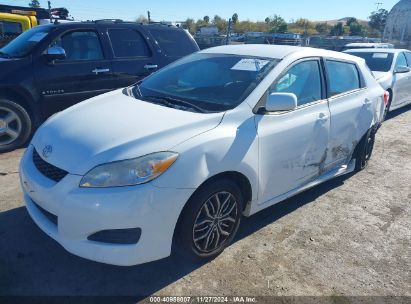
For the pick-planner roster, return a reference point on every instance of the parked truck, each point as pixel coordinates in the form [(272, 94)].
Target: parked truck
[(15, 20)]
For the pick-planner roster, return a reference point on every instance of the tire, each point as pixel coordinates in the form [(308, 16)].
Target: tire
[(15, 125), (364, 150), (194, 224)]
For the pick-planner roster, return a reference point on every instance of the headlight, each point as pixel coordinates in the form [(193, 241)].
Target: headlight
[(129, 172)]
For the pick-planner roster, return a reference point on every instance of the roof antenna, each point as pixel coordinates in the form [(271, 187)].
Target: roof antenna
[(49, 4), (378, 4)]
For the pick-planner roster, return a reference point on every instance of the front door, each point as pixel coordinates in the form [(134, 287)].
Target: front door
[(84, 73), (401, 83), (293, 145)]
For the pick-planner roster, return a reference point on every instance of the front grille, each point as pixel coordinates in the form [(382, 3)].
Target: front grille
[(48, 170), (52, 218)]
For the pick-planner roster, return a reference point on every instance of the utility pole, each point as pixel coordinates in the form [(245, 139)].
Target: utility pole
[(49, 6), (148, 16), (378, 4), (228, 31)]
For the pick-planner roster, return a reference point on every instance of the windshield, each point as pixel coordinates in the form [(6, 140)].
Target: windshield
[(24, 43), (210, 82), (377, 62)]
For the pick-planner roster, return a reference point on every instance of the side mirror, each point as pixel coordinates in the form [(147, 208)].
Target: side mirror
[(402, 69), (280, 102), (55, 53)]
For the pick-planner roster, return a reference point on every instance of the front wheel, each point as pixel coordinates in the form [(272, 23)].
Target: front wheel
[(15, 125), (210, 221)]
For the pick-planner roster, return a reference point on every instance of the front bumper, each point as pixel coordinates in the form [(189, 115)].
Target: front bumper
[(82, 212)]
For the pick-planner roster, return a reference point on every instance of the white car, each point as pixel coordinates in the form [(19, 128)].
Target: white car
[(362, 45), (175, 161), (392, 69)]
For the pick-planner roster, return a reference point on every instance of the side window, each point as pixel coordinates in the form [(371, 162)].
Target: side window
[(408, 55), (80, 45), (304, 80), (343, 77), (401, 61), (128, 43), (173, 42), (10, 28)]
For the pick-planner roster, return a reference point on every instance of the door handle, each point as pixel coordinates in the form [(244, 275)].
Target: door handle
[(151, 66), (323, 117), (367, 101), (98, 71)]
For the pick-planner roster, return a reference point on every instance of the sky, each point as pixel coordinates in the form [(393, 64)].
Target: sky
[(180, 10)]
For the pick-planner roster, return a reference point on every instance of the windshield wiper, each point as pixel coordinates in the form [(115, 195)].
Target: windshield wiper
[(173, 102)]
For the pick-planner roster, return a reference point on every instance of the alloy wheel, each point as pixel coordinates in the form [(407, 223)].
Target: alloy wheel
[(215, 222), (10, 126)]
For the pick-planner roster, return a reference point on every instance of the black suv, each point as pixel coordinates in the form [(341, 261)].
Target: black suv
[(54, 66)]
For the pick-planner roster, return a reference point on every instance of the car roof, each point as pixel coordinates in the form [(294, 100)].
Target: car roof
[(376, 50), (277, 51), (77, 24), (367, 44)]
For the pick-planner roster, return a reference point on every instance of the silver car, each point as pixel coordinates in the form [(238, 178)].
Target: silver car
[(392, 69)]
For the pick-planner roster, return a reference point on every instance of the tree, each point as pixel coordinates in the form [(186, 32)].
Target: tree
[(190, 25), (337, 30), (220, 23), (234, 18), (34, 4), (378, 20), (278, 25), (206, 19), (267, 20), (323, 28), (351, 20), (302, 26), (356, 29), (142, 19)]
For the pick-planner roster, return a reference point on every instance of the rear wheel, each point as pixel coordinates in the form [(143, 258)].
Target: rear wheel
[(364, 150), (15, 125), (210, 221)]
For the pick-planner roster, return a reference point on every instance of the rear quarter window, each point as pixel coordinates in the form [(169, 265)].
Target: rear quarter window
[(408, 55), (343, 77), (128, 43), (174, 43)]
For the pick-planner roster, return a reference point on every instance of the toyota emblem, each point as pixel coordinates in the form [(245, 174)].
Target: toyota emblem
[(47, 151)]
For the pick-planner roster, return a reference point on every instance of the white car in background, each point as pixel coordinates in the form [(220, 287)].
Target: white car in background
[(392, 69), (367, 45), (176, 160)]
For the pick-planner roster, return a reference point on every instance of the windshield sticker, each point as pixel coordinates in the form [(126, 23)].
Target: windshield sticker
[(37, 37), (380, 55), (252, 65)]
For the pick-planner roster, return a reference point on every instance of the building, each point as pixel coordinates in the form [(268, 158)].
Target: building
[(398, 26)]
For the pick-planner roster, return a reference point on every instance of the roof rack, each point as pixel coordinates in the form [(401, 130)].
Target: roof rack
[(108, 21)]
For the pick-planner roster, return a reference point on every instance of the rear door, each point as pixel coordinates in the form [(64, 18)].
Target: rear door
[(85, 72), (351, 110), (133, 56), (408, 91)]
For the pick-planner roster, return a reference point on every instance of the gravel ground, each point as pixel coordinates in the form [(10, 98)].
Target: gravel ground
[(347, 237)]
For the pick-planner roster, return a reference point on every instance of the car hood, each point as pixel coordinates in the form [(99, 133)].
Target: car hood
[(9, 67), (114, 127)]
